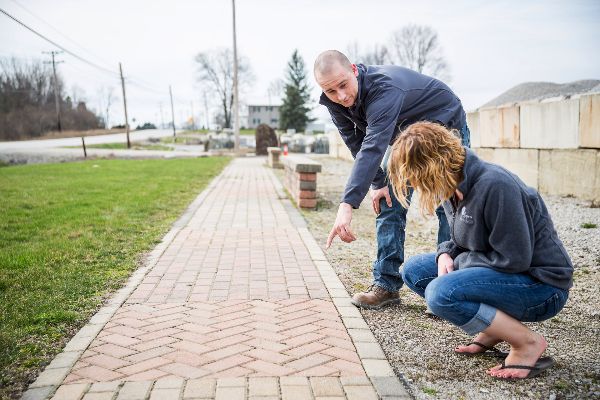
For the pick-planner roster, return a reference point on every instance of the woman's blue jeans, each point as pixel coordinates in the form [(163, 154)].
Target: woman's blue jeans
[(469, 298), (390, 225)]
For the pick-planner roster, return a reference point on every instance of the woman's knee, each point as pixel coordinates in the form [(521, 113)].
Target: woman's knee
[(439, 293), (419, 269)]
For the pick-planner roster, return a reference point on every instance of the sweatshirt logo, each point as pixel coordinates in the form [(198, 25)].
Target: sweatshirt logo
[(466, 218)]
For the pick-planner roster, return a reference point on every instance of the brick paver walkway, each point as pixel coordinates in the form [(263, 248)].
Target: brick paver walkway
[(237, 302)]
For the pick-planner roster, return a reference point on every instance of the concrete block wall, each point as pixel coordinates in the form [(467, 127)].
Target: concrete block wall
[(499, 127), (589, 121), (553, 145), (522, 162), (337, 147), (550, 125), (558, 149)]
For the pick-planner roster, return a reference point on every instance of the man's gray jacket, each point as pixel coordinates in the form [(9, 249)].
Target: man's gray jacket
[(389, 99)]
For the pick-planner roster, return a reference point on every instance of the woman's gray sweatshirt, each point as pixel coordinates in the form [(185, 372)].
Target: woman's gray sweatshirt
[(503, 224)]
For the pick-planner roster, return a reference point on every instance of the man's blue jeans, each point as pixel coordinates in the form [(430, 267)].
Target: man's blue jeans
[(390, 225), (469, 298)]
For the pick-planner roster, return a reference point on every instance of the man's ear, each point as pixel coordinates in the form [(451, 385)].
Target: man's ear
[(355, 69)]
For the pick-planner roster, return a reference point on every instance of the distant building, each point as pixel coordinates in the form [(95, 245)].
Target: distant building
[(261, 114)]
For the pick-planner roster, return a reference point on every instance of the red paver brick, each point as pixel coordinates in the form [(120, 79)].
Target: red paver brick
[(96, 373), (113, 350), (268, 356), (309, 361), (303, 339), (144, 366), (158, 334), (120, 340), (338, 342), (228, 341), (148, 354), (307, 349), (344, 354), (149, 375), (264, 368), (147, 345), (125, 330), (226, 363), (189, 358), (184, 370), (107, 362)]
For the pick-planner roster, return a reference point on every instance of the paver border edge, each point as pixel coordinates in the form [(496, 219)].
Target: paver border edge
[(53, 375)]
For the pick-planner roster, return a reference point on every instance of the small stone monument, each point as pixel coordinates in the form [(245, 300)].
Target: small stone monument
[(265, 137)]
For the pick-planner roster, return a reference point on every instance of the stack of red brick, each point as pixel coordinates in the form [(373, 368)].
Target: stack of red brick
[(301, 179)]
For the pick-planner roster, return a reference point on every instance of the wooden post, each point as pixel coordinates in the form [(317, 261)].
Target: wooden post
[(84, 150), (125, 105)]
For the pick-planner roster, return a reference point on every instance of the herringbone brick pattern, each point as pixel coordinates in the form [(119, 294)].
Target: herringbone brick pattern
[(235, 295), (292, 337), (245, 263)]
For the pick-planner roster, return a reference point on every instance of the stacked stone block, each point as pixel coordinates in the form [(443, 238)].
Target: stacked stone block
[(553, 145), (301, 180)]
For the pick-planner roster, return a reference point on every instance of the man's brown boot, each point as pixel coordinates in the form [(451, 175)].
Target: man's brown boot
[(375, 298)]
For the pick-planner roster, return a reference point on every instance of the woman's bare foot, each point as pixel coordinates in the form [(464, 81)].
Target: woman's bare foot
[(528, 354), (482, 338)]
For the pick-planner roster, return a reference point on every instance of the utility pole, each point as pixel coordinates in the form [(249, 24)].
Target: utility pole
[(236, 114), (125, 105), (172, 112), (56, 97)]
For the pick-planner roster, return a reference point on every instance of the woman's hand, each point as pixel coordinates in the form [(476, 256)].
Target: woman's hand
[(445, 264)]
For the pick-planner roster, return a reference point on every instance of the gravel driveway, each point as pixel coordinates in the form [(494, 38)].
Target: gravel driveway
[(420, 348)]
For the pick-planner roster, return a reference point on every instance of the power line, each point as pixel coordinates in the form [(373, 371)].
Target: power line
[(58, 45), (57, 31), (139, 83)]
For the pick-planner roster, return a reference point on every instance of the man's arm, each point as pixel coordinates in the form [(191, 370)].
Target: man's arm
[(383, 108)]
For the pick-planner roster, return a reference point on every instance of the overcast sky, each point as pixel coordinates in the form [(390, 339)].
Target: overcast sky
[(490, 46)]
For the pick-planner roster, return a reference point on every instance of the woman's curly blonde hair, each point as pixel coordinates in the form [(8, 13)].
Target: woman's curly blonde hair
[(429, 158)]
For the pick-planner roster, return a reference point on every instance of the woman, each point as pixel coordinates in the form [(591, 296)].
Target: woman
[(504, 263)]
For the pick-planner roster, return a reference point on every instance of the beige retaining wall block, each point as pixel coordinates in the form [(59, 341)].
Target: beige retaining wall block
[(499, 127), (550, 125), (589, 121), (522, 162), (570, 172), (473, 123)]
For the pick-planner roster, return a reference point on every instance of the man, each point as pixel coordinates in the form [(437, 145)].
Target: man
[(370, 105)]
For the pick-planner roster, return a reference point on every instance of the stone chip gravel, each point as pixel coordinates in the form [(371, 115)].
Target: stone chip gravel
[(420, 348)]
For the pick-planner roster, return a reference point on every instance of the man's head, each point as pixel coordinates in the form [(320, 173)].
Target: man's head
[(337, 77)]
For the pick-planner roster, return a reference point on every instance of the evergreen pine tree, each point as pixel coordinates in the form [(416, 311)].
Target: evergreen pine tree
[(294, 110)]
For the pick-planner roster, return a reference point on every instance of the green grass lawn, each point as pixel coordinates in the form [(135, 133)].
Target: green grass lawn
[(72, 233)]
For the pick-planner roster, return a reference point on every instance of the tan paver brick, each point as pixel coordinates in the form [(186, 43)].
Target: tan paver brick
[(70, 392)]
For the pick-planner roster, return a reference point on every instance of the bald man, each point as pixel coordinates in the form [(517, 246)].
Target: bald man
[(369, 105)]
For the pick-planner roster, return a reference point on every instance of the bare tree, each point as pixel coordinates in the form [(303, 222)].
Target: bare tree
[(276, 89), (417, 47), (376, 55), (27, 107), (106, 99), (215, 70)]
